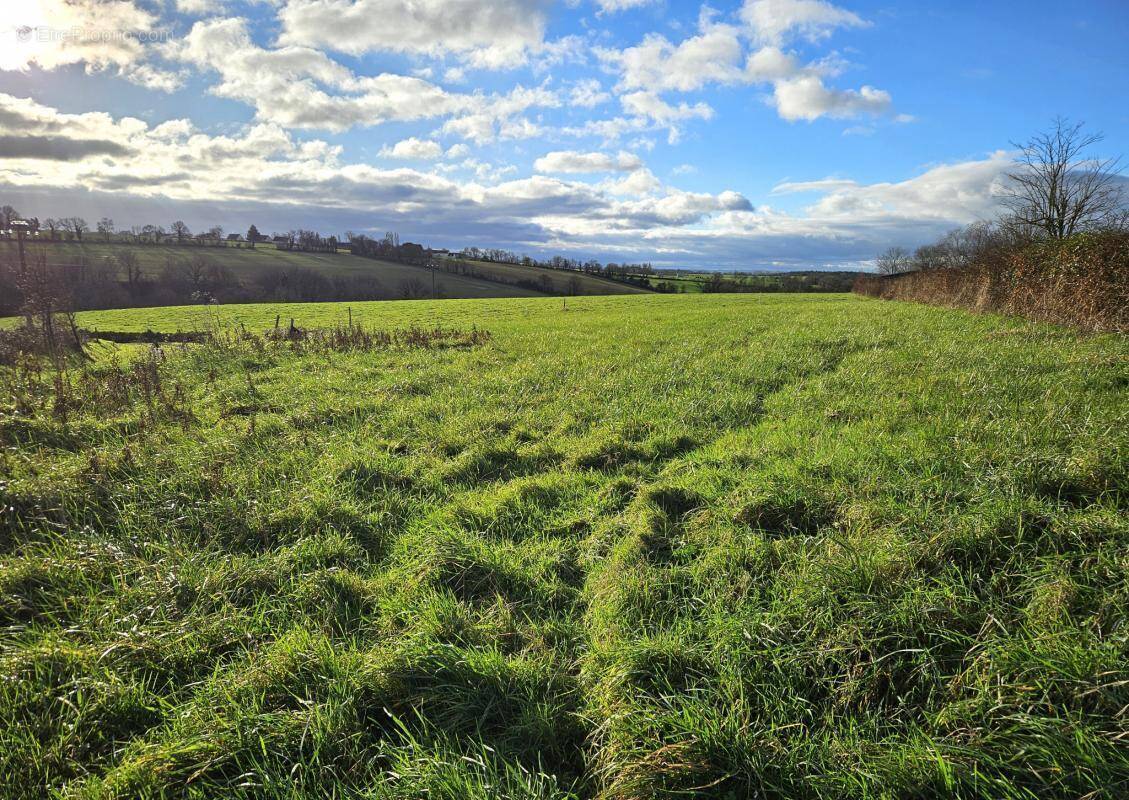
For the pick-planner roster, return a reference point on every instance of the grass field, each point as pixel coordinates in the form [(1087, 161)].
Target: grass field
[(247, 264), (796, 281), (561, 281), (775, 546)]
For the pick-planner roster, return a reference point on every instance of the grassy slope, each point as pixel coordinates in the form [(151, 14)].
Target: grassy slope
[(248, 263), (790, 546), (560, 280)]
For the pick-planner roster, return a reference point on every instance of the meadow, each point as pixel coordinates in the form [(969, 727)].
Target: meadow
[(775, 546)]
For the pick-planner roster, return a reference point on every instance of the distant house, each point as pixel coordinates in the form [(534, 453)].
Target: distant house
[(234, 237), (442, 253), (282, 242)]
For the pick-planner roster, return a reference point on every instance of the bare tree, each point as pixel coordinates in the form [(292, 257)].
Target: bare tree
[(413, 289), (127, 263), (78, 225), (53, 226), (1057, 189), (7, 214), (180, 230), (106, 227), (893, 261)]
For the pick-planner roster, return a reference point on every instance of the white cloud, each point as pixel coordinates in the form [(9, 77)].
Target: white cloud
[(200, 8), (774, 22), (643, 111), (647, 104), (100, 34), (771, 64), (717, 56), (588, 93), (639, 183), (572, 161), (658, 65), (612, 6), (492, 117), (289, 85), (805, 97), (960, 193), (491, 34), (413, 148), (153, 77)]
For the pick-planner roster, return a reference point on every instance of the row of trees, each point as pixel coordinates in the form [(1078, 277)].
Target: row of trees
[(71, 229), (389, 247), (1055, 190), (590, 266)]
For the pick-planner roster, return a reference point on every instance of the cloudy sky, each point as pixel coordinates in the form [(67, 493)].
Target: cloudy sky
[(754, 134)]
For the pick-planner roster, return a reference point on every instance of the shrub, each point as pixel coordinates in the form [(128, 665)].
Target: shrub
[(1082, 281)]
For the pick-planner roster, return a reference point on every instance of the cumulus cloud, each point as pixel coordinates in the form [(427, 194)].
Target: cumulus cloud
[(806, 97), (649, 106), (490, 34), (101, 34), (612, 6), (771, 64), (643, 111), (201, 8), (717, 55), (571, 161), (952, 193), (491, 117), (300, 87), (774, 22), (588, 93), (639, 183), (657, 65), (413, 148)]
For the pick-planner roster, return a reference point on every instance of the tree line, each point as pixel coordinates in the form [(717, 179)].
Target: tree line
[(1059, 251), (1055, 190)]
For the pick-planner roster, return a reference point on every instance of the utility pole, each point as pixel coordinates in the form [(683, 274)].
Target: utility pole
[(21, 227)]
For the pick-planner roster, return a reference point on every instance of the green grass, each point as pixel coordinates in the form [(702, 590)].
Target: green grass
[(791, 281), (664, 546)]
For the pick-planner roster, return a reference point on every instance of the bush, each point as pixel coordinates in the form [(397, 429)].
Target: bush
[(1081, 281)]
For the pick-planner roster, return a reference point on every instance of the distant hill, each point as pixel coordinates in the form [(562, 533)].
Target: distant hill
[(169, 274), (549, 281)]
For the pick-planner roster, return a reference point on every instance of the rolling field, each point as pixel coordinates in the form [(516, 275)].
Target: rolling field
[(559, 280), (247, 264), (774, 546)]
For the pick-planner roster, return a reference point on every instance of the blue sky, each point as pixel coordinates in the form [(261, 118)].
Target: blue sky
[(753, 134)]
